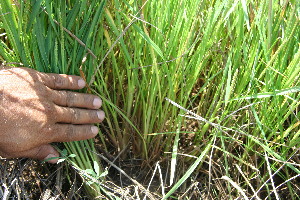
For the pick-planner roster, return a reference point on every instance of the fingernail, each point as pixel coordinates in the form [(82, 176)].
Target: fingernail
[(101, 115), (81, 83), (95, 129), (97, 103), (52, 161)]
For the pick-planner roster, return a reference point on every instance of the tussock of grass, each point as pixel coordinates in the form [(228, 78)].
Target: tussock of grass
[(231, 66)]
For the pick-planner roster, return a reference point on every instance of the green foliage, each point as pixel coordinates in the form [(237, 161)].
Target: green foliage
[(44, 35)]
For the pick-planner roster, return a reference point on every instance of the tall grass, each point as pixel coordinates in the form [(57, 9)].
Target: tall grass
[(44, 35), (235, 63), (230, 66)]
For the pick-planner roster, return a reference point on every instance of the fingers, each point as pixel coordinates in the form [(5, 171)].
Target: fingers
[(78, 116), (62, 81), (73, 99), (70, 132), (42, 152), (58, 133)]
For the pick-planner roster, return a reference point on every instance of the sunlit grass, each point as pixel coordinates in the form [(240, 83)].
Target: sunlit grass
[(36, 37)]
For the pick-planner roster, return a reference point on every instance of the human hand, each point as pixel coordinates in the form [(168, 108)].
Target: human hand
[(36, 110)]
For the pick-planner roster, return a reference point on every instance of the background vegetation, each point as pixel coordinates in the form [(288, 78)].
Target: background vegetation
[(203, 95)]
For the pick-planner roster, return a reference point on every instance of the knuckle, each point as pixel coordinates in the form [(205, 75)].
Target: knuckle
[(50, 130), (75, 115), (59, 81), (47, 108), (63, 97), (44, 91), (47, 130), (70, 132), (70, 100)]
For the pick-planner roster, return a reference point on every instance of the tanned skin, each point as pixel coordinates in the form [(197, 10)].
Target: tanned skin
[(37, 109)]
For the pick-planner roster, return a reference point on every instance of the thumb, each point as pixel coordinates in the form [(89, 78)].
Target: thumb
[(42, 152)]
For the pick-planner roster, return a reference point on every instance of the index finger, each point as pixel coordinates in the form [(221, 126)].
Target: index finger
[(62, 81)]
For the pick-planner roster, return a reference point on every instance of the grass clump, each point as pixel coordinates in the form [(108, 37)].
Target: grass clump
[(210, 87), (44, 35)]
